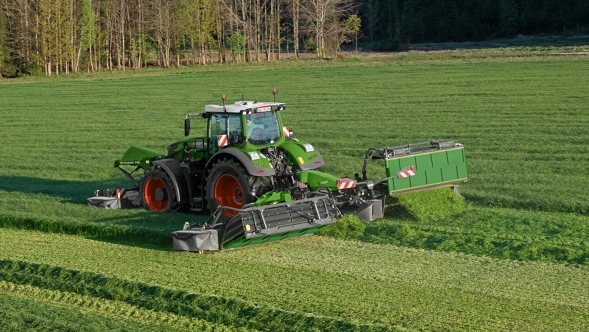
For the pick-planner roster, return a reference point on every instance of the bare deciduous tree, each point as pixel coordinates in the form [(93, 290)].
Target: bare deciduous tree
[(324, 18)]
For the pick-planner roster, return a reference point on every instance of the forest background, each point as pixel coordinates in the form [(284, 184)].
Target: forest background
[(49, 37)]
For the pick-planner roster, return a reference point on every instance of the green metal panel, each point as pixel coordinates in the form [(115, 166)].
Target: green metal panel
[(136, 153), (432, 169), (424, 163), (316, 179), (298, 155), (137, 156)]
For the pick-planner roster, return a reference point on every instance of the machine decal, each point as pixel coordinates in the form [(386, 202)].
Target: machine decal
[(222, 140)]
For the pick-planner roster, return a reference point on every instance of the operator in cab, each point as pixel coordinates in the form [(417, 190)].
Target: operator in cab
[(249, 121)]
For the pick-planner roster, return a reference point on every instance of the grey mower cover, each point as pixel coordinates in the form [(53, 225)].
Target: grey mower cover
[(115, 199)]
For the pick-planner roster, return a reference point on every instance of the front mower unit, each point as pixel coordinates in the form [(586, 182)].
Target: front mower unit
[(257, 225)]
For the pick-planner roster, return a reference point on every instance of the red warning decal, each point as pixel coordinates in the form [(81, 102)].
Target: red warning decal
[(344, 183), (222, 140), (406, 172)]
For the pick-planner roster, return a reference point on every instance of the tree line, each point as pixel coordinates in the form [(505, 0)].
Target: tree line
[(63, 36)]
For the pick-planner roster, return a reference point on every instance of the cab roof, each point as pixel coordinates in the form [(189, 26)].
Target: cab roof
[(245, 107)]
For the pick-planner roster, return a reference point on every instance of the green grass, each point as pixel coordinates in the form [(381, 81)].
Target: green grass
[(27, 308), (210, 310), (333, 280), (520, 111), (523, 124)]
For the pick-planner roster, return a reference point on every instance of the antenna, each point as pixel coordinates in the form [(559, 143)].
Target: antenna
[(223, 99), (274, 93)]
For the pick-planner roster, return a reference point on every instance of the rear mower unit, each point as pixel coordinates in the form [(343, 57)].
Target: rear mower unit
[(261, 184)]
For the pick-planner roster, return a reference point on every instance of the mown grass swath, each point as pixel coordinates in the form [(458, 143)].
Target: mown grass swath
[(212, 308), (349, 281), (22, 313)]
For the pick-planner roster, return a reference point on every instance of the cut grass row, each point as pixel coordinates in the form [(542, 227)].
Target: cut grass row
[(435, 220), (440, 220), (212, 310), (349, 281), (27, 308), (498, 233)]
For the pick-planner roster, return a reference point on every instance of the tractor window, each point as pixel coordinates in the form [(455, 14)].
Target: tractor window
[(227, 124), (262, 128)]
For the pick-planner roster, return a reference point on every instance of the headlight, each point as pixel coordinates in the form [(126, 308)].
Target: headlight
[(308, 147), (254, 155)]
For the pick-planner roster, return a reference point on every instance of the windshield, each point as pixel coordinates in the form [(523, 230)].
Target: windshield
[(262, 128)]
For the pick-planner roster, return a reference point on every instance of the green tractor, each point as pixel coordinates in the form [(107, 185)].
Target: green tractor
[(261, 184)]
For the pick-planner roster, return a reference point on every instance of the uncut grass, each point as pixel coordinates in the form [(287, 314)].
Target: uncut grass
[(441, 220), (389, 285), (523, 123)]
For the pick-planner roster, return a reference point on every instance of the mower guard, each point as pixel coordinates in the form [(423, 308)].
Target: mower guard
[(437, 164), (115, 199), (257, 225)]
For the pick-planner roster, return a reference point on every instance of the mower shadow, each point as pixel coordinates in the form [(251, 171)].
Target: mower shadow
[(71, 191), (134, 227)]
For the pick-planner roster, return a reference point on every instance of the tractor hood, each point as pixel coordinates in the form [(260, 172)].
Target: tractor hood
[(302, 154)]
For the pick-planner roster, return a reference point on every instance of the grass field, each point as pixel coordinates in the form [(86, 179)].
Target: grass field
[(514, 255)]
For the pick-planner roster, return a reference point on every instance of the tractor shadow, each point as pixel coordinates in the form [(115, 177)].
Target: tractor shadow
[(132, 227), (66, 190)]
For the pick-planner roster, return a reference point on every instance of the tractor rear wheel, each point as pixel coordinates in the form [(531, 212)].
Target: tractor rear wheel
[(227, 185), (157, 191)]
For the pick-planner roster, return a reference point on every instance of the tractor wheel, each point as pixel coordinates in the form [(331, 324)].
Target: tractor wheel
[(227, 185), (157, 191)]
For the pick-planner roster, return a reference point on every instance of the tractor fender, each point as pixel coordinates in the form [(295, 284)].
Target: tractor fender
[(172, 168), (243, 159)]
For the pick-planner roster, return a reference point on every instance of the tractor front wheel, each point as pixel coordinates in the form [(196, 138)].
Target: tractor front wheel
[(227, 185), (157, 191)]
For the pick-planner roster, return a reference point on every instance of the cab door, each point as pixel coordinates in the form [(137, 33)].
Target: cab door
[(225, 130)]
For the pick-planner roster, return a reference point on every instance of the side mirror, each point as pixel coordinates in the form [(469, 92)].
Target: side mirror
[(186, 127)]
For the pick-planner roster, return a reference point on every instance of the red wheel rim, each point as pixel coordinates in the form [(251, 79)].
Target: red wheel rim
[(228, 192), (153, 203)]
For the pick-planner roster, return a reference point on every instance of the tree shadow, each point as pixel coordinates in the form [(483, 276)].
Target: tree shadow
[(522, 41)]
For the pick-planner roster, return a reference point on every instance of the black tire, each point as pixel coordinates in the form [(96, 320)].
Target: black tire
[(227, 185), (157, 191)]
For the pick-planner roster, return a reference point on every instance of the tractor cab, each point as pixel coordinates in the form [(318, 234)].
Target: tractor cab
[(241, 124)]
